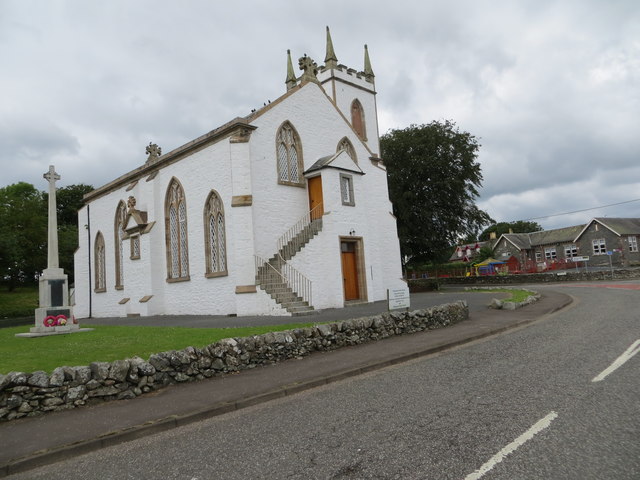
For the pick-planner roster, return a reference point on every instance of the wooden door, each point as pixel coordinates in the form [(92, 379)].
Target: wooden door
[(315, 197), (349, 271)]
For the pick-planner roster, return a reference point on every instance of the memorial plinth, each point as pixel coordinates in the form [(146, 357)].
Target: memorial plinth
[(54, 314)]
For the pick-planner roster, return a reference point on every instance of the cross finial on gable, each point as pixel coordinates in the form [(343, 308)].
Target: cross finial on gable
[(309, 68), (154, 151)]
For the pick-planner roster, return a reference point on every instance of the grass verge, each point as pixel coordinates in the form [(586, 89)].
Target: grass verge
[(108, 343), (20, 303), (517, 296)]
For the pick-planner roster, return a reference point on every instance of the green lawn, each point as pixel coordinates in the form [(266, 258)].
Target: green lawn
[(516, 295), (108, 343), (20, 303)]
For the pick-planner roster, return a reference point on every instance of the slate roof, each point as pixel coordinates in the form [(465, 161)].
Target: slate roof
[(520, 240), (330, 161), (621, 226), (526, 241), (556, 236)]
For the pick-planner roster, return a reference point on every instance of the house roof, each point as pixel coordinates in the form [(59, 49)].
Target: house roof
[(521, 241), (555, 236), (467, 246), (619, 226), (526, 241)]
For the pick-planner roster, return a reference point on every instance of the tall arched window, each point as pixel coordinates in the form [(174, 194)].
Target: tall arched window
[(214, 236), (99, 264), (175, 213), (357, 119), (119, 234), (289, 153), (347, 146)]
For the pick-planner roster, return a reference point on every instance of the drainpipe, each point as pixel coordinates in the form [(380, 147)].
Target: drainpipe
[(89, 255)]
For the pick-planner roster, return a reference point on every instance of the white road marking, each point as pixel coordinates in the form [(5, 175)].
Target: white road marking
[(498, 457), (618, 362)]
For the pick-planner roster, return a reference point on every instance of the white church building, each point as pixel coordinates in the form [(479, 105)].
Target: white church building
[(282, 212)]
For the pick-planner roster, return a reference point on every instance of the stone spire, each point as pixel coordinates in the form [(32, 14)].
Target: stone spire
[(330, 59), (291, 77), (368, 71)]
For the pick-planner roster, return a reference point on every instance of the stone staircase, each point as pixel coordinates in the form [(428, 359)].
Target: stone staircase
[(296, 243), (288, 287)]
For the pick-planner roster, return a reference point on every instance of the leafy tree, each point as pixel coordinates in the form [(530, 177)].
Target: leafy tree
[(520, 226), (484, 253), (23, 234), (433, 182), (69, 201)]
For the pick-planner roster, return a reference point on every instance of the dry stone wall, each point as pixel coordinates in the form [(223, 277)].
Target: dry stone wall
[(421, 285), (28, 394)]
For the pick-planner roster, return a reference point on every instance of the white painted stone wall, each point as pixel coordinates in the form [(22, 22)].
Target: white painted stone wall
[(249, 169), (346, 93), (199, 173)]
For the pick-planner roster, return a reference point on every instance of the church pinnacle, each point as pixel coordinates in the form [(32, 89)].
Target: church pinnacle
[(291, 76), (368, 71), (330, 59)]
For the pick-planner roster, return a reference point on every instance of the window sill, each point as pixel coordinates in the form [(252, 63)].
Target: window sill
[(291, 184), (216, 274), (179, 279)]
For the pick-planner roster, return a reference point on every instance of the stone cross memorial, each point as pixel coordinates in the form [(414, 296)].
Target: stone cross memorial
[(54, 315)]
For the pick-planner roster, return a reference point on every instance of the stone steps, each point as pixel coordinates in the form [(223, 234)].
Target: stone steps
[(269, 278)]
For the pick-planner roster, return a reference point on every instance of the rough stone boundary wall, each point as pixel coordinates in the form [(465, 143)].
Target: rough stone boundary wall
[(419, 285), (29, 394)]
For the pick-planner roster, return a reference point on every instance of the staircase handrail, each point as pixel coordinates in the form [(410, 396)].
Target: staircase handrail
[(300, 225), (295, 280), (261, 262)]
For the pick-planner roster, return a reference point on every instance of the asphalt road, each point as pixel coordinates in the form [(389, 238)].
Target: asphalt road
[(521, 405)]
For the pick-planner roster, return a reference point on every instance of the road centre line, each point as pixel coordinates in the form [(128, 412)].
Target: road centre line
[(618, 362), (498, 457)]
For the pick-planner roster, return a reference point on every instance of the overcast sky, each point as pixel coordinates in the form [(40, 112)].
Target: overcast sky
[(551, 88)]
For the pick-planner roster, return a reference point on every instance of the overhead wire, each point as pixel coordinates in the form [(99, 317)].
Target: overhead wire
[(582, 210)]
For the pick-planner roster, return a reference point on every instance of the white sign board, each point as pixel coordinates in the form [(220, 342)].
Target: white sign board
[(398, 298), (580, 259)]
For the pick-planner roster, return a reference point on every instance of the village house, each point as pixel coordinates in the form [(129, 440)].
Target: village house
[(598, 239), (280, 212)]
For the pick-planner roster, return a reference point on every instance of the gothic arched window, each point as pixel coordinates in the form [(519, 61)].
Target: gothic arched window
[(119, 234), (289, 154), (357, 119), (99, 264), (214, 236), (175, 214), (347, 146)]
